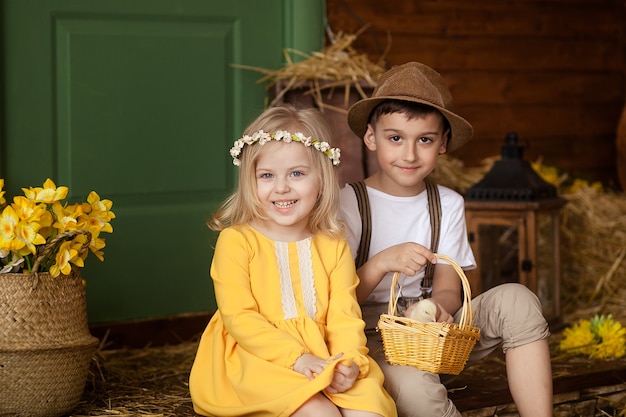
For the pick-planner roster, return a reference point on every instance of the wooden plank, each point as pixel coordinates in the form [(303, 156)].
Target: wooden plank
[(484, 384), (542, 147), (542, 120), (535, 87), (513, 54), (620, 144), (453, 18), (527, 19), (151, 332)]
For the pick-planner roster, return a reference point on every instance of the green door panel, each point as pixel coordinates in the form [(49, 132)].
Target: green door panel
[(138, 101)]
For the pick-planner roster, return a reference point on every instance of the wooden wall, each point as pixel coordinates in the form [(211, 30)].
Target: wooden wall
[(550, 70)]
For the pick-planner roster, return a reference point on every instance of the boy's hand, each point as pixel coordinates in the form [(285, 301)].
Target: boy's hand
[(443, 315), (344, 378), (407, 258), (309, 365)]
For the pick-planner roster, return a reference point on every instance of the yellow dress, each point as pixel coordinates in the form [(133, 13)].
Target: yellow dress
[(276, 301)]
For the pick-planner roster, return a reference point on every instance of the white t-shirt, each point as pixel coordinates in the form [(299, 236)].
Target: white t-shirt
[(397, 220)]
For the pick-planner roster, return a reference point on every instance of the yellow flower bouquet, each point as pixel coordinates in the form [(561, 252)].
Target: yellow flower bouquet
[(40, 231), (600, 338)]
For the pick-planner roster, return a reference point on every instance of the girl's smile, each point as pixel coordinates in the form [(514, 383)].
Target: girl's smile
[(285, 204)]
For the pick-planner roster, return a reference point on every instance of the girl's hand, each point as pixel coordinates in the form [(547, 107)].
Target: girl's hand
[(309, 365), (343, 378)]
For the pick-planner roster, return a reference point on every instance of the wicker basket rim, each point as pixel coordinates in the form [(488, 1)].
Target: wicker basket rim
[(50, 246), (467, 317)]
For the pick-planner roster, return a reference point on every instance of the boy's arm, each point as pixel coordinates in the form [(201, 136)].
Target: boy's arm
[(369, 277), (446, 291), (407, 258)]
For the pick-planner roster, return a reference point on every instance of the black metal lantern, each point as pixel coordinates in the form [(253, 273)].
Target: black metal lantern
[(513, 226)]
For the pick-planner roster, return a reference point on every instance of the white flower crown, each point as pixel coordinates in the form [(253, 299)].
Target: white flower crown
[(262, 137)]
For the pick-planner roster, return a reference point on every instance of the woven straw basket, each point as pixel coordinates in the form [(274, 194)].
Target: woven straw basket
[(441, 348), (45, 344)]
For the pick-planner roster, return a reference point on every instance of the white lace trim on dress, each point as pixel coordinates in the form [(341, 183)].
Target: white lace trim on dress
[(286, 288), (306, 276)]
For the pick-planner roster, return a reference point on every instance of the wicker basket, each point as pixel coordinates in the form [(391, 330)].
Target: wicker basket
[(441, 348), (45, 345)]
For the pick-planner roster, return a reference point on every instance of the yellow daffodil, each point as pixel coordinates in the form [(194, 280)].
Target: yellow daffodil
[(80, 243), (28, 210), (98, 214), (66, 216), (96, 245), (62, 265), (549, 174), (18, 235), (582, 184), (554, 176), (8, 225), (613, 339), (2, 192), (26, 234), (48, 194), (578, 338), (40, 218)]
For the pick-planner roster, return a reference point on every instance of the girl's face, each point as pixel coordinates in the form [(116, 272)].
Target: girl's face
[(288, 188), (406, 150)]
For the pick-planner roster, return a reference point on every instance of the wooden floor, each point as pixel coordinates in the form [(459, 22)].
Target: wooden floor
[(581, 388), (152, 381)]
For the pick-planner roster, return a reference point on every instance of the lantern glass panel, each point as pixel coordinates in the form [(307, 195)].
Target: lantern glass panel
[(548, 263), (499, 254)]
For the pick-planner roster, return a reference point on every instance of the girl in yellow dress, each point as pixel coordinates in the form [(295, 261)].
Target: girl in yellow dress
[(287, 338)]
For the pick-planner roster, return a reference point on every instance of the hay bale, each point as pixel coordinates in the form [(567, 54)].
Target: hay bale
[(593, 250), (338, 67)]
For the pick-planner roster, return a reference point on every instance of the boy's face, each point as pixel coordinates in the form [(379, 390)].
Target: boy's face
[(406, 150)]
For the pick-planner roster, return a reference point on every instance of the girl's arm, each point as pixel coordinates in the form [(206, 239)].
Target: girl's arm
[(346, 329), (238, 308)]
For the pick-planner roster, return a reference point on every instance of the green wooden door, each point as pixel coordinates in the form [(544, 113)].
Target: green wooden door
[(138, 101)]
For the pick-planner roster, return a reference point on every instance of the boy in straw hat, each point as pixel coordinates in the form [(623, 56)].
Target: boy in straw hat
[(408, 122)]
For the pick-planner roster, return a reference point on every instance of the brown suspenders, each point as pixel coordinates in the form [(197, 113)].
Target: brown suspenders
[(434, 209), (366, 222)]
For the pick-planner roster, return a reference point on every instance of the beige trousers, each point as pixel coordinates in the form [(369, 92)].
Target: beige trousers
[(508, 315)]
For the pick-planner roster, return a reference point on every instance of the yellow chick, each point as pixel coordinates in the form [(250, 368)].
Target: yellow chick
[(424, 311)]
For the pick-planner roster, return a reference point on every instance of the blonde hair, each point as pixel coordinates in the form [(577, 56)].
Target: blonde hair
[(243, 205)]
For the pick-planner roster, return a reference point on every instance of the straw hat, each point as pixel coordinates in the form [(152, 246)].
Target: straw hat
[(418, 83)]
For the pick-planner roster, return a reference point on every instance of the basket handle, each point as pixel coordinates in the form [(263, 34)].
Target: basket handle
[(51, 246), (466, 319)]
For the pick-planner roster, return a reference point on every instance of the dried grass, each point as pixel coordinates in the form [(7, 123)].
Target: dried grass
[(338, 67), (150, 382), (593, 251)]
